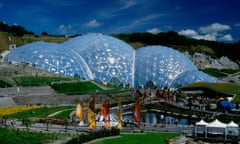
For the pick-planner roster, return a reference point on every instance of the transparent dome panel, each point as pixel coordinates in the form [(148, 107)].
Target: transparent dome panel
[(191, 77), (51, 57), (106, 56), (160, 64)]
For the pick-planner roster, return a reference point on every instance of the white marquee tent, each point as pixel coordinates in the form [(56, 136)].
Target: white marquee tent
[(232, 130), (216, 130), (200, 128)]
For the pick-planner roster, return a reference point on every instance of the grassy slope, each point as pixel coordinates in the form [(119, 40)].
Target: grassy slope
[(75, 87), (4, 41), (38, 81), (16, 136), (148, 138), (40, 112), (224, 87), (11, 136)]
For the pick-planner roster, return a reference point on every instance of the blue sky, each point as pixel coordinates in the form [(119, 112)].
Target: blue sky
[(217, 20)]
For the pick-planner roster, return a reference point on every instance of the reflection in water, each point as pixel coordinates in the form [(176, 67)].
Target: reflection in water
[(157, 118)]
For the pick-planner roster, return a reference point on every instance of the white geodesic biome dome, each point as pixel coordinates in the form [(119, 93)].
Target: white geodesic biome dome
[(109, 60), (190, 77), (51, 57), (163, 66)]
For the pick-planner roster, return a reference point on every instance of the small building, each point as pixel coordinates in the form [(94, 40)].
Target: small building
[(11, 47)]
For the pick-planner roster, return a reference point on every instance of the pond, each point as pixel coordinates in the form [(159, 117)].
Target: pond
[(158, 118)]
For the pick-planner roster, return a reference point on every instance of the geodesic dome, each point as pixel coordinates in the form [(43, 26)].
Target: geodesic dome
[(190, 77), (109, 58), (51, 57), (161, 65)]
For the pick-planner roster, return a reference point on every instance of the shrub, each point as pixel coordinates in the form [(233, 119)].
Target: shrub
[(94, 135)]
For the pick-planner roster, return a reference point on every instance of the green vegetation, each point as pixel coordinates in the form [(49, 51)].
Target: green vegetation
[(20, 36), (38, 81), (214, 72), (40, 112), (182, 43), (148, 138), (64, 114), (65, 85), (12, 136), (3, 84), (230, 71), (94, 135), (76, 87), (26, 38), (219, 73), (223, 87)]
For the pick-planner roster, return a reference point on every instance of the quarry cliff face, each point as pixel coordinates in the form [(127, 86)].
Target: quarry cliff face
[(203, 61)]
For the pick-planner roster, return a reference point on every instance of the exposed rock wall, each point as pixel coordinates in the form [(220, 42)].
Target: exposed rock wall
[(204, 61)]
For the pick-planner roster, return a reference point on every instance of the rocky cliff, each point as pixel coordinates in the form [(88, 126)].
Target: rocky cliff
[(204, 61)]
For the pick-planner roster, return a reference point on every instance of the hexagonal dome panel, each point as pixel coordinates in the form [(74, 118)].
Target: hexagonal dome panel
[(160, 64), (51, 57), (106, 56), (190, 77), (106, 59)]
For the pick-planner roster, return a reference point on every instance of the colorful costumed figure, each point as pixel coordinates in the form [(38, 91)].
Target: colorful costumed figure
[(107, 114), (80, 112), (136, 113), (91, 113), (119, 126)]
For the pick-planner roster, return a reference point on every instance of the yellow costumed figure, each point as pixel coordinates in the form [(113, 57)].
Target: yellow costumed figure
[(80, 112), (91, 113)]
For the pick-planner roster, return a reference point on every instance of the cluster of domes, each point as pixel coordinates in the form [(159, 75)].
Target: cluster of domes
[(109, 60)]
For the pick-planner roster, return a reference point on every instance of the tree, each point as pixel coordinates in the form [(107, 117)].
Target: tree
[(44, 33), (4, 27), (18, 30)]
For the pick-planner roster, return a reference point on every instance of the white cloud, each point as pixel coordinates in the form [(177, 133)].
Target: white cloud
[(64, 30), (215, 27), (205, 37), (194, 34), (226, 37), (93, 23), (15, 24), (154, 30), (213, 32), (188, 32), (136, 23), (128, 4)]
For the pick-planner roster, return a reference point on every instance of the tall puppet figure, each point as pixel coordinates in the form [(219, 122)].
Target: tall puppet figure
[(91, 113), (136, 112), (80, 112), (119, 115)]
